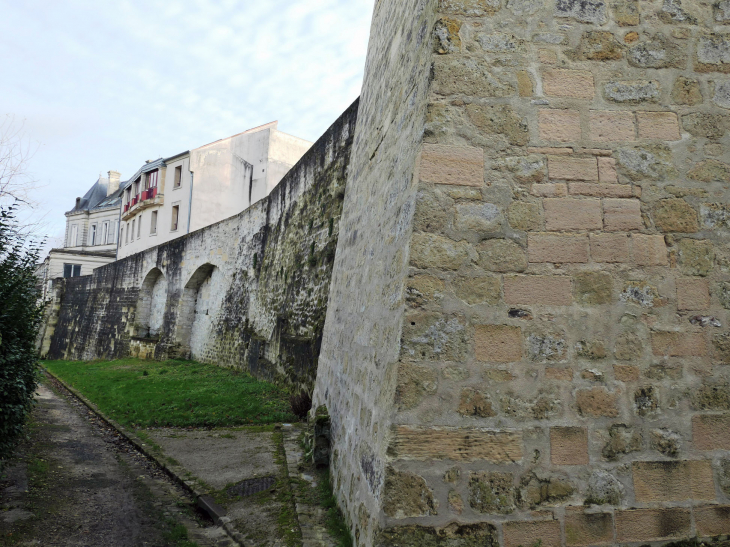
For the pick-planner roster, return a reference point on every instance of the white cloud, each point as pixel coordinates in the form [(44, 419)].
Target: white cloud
[(109, 85)]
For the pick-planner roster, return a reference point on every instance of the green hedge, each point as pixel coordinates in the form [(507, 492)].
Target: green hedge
[(20, 315)]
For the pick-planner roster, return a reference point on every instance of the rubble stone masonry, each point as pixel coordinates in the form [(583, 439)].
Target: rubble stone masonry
[(524, 329), (527, 339)]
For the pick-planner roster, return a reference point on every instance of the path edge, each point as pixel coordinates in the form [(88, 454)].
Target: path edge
[(202, 499)]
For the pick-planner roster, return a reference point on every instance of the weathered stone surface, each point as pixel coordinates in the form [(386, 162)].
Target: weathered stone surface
[(628, 347), (724, 476), (722, 11), (440, 443), (422, 289), (475, 403), (646, 400), (665, 441), (501, 120), (724, 295), (455, 165), (687, 91), (456, 75), (622, 440), (492, 493), (471, 8), (502, 255), (705, 124), (498, 343), (434, 210), (599, 45), (433, 251), (715, 216), (525, 7), (477, 290), (572, 84), (500, 43), (713, 395), (453, 535), (672, 11), (632, 91), (551, 346), (524, 216), (593, 288), (477, 217), (638, 293), (713, 53), (673, 481), (696, 257), (597, 402), (626, 13), (446, 36), (415, 383), (710, 171), (675, 215), (721, 96), (593, 350), (542, 406), (721, 345), (568, 446), (434, 337), (585, 11), (538, 489), (604, 489), (527, 168), (650, 162), (407, 495), (659, 52)]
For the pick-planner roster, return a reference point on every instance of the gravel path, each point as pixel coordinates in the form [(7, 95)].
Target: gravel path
[(77, 483)]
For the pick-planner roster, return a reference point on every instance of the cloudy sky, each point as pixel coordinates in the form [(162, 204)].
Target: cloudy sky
[(107, 85)]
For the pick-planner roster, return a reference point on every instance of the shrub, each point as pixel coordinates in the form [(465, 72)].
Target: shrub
[(20, 315), (301, 404)]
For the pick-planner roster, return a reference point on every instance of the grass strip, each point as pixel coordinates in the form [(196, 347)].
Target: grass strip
[(174, 393)]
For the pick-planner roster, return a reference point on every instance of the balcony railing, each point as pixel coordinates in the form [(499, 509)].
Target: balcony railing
[(145, 195)]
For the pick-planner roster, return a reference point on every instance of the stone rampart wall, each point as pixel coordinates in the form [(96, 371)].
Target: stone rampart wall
[(562, 373), (250, 291)]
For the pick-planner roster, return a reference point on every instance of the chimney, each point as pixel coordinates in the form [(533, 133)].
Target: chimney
[(114, 177)]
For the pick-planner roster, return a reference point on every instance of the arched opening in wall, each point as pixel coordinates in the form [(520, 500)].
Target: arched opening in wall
[(199, 308), (151, 305)]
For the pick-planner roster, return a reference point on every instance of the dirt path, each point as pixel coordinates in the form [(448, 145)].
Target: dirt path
[(76, 483)]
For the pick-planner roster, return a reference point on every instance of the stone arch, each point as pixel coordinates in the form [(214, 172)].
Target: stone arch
[(151, 304), (198, 308)]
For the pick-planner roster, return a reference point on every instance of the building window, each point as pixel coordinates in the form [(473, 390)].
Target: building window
[(131, 235), (104, 233), (153, 223), (178, 176), (121, 239), (175, 217), (71, 270), (74, 236), (93, 234), (139, 226)]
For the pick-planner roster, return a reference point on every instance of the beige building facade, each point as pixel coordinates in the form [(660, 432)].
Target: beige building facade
[(170, 197), (92, 229)]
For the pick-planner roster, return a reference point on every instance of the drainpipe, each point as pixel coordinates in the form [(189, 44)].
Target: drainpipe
[(190, 201)]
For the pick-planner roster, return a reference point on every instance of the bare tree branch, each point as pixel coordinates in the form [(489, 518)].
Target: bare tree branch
[(16, 150)]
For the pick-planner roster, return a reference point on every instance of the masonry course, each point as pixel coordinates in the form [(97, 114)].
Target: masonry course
[(525, 333)]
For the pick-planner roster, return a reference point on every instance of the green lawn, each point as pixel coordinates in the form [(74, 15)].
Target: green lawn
[(175, 393)]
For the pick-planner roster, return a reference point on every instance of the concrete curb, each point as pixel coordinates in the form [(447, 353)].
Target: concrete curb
[(202, 498)]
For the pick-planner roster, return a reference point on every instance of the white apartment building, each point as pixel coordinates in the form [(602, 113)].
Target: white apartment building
[(170, 197), (91, 233)]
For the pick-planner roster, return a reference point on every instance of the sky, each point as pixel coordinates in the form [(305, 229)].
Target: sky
[(99, 86)]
